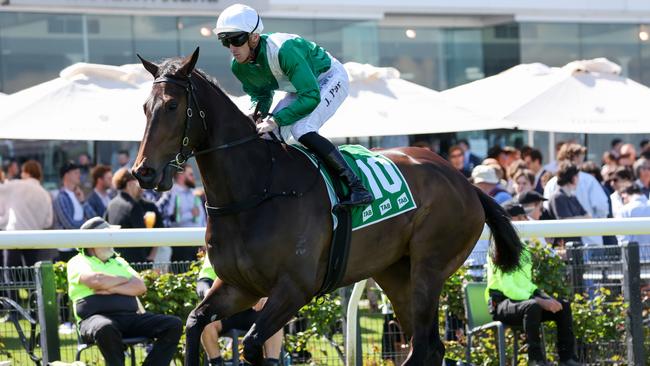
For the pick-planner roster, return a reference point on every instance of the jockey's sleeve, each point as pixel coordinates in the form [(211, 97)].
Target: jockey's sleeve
[(296, 68), (263, 97)]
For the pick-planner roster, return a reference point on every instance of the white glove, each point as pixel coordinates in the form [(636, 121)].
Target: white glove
[(266, 126)]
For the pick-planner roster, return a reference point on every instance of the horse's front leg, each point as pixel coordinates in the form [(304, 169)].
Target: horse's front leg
[(283, 303), (221, 301)]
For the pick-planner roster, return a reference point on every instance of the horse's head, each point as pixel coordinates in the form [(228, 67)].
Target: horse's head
[(171, 132)]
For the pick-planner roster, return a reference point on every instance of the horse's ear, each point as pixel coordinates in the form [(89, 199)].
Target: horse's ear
[(189, 62), (149, 66)]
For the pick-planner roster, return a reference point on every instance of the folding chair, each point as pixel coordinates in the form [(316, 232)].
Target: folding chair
[(479, 319), (129, 344)]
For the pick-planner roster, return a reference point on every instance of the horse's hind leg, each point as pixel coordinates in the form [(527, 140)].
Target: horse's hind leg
[(426, 284), (221, 301), (395, 281), (283, 303)]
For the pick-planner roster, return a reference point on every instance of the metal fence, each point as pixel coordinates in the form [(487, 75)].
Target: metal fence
[(17, 334), (622, 270)]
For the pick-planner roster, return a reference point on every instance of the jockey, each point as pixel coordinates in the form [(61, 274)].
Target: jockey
[(316, 84)]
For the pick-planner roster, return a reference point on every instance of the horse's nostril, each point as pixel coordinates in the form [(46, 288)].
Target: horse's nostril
[(144, 173)]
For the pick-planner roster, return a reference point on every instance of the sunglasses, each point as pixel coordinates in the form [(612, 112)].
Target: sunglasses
[(236, 39)]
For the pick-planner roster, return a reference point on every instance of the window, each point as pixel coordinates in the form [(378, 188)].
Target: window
[(36, 47)]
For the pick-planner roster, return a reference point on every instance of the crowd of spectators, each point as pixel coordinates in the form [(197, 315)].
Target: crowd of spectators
[(88, 191), (617, 186), (528, 187)]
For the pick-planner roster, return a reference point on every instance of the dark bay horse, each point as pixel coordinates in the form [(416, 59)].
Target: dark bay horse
[(279, 247)]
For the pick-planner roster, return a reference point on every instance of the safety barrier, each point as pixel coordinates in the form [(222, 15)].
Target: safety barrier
[(195, 237)]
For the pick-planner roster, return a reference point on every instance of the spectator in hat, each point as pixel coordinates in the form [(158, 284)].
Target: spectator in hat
[(485, 177), (68, 207), (515, 211), (531, 202), (127, 209), (103, 288)]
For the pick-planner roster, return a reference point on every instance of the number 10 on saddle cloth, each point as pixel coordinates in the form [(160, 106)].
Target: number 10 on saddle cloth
[(380, 176)]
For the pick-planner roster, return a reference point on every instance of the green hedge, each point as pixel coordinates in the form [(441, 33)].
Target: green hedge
[(597, 320)]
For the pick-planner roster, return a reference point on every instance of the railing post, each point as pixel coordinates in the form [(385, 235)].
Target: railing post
[(576, 264), (632, 294), (48, 314), (352, 344)]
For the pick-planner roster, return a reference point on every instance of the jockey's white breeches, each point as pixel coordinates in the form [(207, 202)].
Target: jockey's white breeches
[(334, 88)]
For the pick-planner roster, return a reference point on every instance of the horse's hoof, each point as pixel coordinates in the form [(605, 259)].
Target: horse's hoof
[(254, 354)]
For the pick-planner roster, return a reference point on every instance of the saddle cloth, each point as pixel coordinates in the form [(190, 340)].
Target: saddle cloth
[(379, 175)]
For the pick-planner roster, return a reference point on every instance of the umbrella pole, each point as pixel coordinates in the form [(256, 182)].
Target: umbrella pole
[(531, 138), (551, 146)]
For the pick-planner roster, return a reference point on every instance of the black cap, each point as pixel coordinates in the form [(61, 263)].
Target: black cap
[(68, 166), (514, 209), (530, 197)]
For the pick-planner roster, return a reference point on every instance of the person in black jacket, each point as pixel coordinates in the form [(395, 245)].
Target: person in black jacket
[(127, 209)]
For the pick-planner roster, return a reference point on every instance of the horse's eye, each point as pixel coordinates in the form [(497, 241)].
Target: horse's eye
[(172, 106)]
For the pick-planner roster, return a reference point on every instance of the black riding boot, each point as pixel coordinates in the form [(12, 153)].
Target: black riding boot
[(359, 195)]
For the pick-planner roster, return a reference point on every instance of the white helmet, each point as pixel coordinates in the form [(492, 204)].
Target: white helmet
[(239, 18)]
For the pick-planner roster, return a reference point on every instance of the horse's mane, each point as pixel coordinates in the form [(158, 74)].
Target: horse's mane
[(171, 65)]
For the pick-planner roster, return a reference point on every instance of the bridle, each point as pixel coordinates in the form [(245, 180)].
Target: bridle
[(186, 152)]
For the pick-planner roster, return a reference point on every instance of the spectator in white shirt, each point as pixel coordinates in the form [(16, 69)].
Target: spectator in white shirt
[(589, 192), (635, 205), (621, 178), (26, 206)]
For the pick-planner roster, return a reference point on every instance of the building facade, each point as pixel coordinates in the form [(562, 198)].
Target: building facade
[(436, 43)]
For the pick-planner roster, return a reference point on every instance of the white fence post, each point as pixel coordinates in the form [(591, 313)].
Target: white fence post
[(351, 324)]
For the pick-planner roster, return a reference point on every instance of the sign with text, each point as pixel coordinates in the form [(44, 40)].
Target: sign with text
[(214, 5)]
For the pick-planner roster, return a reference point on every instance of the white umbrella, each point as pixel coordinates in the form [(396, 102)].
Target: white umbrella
[(101, 102), (382, 104), (583, 96), (87, 102)]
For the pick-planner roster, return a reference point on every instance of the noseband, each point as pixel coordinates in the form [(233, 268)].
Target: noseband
[(186, 152)]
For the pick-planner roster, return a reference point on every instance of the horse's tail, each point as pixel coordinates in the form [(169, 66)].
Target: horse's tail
[(506, 247)]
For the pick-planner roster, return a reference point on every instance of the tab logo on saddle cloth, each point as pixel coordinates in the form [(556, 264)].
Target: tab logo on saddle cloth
[(381, 177)]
